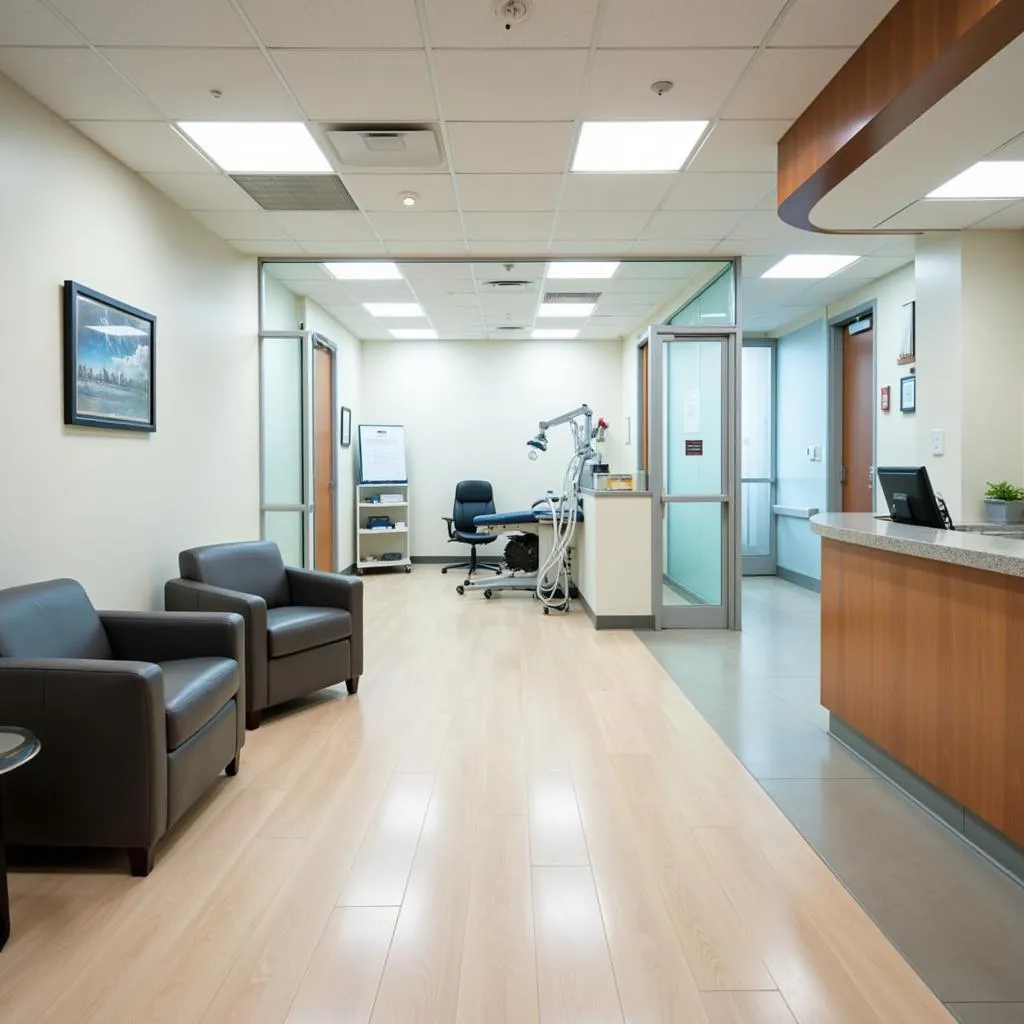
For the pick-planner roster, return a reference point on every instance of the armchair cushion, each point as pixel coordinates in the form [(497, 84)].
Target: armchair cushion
[(248, 567), (298, 628), (195, 690), (54, 619)]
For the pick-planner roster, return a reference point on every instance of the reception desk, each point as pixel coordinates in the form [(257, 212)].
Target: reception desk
[(922, 666)]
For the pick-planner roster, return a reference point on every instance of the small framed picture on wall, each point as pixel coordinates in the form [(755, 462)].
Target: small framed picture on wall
[(908, 394), (346, 427)]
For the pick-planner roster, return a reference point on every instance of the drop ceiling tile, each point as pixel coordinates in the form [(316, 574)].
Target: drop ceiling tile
[(796, 242), (741, 146), (702, 248), (945, 214), (697, 23), (475, 84), (29, 23), (334, 225), (830, 22), (266, 247), (482, 227), (382, 192), (421, 247), (770, 201), (156, 23), (766, 224), (146, 146), (494, 270), (298, 271), (719, 191), (179, 82), (625, 225), (782, 83), (1013, 150), (382, 24), (413, 224), (615, 191), (335, 247), (470, 23), (359, 85), (246, 226), (620, 83), (203, 191), (74, 83), (1010, 217), (611, 247), (497, 306), (510, 148), (500, 249), (518, 192), (686, 224)]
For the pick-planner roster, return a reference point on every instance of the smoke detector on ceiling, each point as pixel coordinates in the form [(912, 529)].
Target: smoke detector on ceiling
[(512, 12)]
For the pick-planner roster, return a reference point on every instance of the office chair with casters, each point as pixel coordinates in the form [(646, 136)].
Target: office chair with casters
[(472, 498)]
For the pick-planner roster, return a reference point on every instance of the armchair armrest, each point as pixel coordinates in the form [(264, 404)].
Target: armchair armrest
[(189, 596), (450, 523), (102, 773), (329, 590), (165, 636)]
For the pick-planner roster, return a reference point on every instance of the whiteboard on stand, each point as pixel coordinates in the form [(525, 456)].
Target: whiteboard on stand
[(382, 454)]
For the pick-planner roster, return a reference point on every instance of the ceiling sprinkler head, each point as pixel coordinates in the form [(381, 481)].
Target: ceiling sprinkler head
[(511, 12), (660, 88)]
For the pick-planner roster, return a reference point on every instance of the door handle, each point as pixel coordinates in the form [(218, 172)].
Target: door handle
[(871, 478)]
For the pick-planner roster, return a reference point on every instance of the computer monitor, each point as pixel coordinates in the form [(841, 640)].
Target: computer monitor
[(909, 495)]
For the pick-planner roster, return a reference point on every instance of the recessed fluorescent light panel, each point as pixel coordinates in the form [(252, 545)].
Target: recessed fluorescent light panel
[(581, 271), (258, 147), (413, 333), (363, 271), (566, 310), (387, 310), (636, 146), (553, 334), (990, 179), (810, 266)]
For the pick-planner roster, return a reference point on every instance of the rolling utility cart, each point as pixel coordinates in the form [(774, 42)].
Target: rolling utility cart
[(382, 527)]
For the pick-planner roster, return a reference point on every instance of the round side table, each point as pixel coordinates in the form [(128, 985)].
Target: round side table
[(17, 747)]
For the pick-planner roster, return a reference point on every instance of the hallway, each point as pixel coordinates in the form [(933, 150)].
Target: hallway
[(518, 819)]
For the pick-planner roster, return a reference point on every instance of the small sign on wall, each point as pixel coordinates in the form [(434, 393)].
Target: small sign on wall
[(695, 447)]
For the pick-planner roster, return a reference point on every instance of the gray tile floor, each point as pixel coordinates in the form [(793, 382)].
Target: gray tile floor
[(954, 916)]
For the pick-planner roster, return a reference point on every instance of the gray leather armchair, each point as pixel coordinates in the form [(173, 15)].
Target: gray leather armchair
[(303, 629), (138, 713)]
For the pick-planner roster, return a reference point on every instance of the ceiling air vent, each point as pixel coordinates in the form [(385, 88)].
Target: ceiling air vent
[(508, 330), (388, 148), (296, 191), (506, 285), (559, 297)]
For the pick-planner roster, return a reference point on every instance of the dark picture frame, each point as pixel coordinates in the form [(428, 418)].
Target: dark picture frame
[(346, 427), (109, 362), (908, 394)]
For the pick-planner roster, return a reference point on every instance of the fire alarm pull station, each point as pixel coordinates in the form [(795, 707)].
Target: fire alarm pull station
[(886, 393)]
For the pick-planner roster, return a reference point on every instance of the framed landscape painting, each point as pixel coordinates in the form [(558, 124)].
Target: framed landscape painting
[(109, 362)]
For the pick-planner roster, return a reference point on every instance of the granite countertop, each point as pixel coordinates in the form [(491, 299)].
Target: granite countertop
[(967, 547)]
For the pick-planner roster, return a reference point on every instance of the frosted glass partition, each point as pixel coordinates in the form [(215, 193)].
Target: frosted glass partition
[(715, 306), (282, 420), (287, 530), (757, 457)]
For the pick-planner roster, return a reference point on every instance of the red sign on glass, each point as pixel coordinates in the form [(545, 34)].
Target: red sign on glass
[(694, 447)]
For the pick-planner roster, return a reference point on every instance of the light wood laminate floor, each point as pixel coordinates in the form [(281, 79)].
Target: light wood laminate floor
[(518, 819)]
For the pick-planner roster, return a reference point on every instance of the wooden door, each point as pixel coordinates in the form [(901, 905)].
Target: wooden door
[(858, 421), (325, 512)]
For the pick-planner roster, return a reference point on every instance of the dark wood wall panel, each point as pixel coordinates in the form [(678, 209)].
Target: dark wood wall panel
[(927, 661), (918, 54)]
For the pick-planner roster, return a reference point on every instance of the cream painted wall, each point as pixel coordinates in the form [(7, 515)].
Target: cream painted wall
[(110, 508), (470, 407), (349, 374)]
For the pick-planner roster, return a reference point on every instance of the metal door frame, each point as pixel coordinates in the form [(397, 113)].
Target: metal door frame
[(727, 615), (764, 565), (306, 341)]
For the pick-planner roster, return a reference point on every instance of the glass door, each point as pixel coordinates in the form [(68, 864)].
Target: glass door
[(694, 472), (284, 506), (757, 458)]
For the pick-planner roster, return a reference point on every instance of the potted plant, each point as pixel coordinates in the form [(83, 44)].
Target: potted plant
[(1004, 503)]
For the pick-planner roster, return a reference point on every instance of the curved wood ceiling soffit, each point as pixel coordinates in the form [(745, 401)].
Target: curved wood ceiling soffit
[(918, 54)]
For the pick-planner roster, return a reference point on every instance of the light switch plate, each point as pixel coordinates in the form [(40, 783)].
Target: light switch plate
[(938, 442)]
